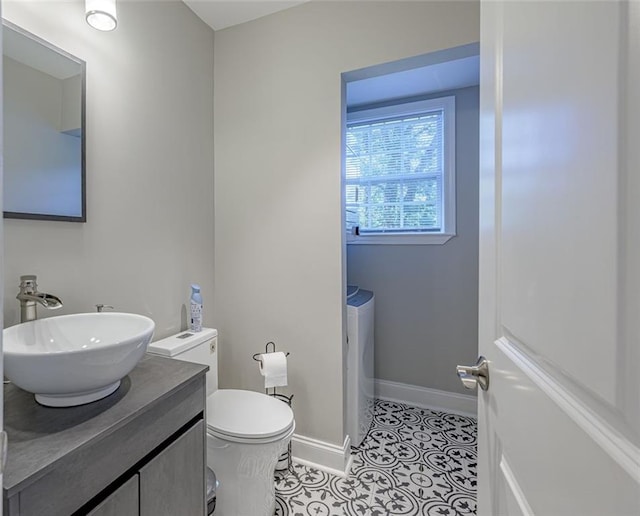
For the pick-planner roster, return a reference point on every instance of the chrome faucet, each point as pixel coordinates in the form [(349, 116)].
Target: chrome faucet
[(29, 298)]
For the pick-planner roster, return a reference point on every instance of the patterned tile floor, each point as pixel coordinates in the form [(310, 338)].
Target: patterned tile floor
[(413, 462)]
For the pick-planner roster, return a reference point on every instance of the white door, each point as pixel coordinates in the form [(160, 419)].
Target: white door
[(559, 426), (3, 442)]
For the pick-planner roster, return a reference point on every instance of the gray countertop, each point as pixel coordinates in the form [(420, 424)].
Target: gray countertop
[(40, 436)]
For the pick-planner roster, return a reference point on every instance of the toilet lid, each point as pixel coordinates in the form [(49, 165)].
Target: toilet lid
[(247, 415)]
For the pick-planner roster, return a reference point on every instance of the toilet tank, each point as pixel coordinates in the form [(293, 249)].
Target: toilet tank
[(200, 347)]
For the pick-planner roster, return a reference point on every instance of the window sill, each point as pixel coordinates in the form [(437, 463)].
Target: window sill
[(415, 239)]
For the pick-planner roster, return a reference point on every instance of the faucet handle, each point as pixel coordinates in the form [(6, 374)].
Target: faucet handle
[(28, 283), (100, 307)]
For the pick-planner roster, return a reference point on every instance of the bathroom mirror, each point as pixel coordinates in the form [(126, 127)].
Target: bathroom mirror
[(44, 129)]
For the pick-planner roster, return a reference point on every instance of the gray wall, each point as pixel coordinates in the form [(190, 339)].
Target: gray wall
[(149, 230), (427, 296), (279, 223)]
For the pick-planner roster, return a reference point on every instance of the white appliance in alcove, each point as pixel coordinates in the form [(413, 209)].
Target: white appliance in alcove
[(360, 355)]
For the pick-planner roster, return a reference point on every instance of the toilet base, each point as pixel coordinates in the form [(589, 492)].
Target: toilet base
[(245, 473)]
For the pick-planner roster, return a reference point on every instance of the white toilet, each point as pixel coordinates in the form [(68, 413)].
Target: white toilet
[(246, 431)]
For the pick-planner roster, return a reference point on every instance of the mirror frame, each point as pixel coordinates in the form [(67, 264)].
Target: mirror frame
[(83, 144)]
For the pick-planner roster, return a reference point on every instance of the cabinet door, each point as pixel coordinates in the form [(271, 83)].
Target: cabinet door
[(123, 502), (173, 483)]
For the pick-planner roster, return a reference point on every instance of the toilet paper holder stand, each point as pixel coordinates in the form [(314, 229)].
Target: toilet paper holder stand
[(282, 397), (256, 357)]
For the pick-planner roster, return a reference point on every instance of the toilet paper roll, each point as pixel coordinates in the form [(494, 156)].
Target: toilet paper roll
[(273, 366)]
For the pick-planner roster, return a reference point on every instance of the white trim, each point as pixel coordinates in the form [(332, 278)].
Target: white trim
[(514, 487), (620, 449), (427, 398), (401, 239), (448, 226), (401, 109), (449, 176), (321, 455)]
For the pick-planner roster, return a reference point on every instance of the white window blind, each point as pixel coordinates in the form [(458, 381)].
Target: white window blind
[(397, 170)]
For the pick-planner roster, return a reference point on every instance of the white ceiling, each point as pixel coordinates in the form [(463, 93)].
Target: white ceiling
[(219, 14), (448, 75)]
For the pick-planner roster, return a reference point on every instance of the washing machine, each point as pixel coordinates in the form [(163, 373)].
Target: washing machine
[(360, 380)]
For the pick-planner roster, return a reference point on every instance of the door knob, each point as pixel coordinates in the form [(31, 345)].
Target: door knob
[(471, 376)]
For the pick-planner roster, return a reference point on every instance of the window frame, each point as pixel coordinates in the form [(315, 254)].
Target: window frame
[(448, 106)]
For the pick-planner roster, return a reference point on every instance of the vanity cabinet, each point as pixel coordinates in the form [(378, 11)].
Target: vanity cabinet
[(125, 501), (171, 483), (138, 452)]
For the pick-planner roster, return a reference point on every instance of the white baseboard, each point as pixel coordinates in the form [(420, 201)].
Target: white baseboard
[(321, 455), (427, 398), (337, 459)]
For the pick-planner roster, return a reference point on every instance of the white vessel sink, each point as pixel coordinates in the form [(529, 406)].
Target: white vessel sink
[(75, 359)]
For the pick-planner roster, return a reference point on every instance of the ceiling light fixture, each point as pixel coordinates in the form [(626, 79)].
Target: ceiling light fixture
[(101, 14)]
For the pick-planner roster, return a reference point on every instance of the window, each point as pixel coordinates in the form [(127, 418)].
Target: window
[(400, 173)]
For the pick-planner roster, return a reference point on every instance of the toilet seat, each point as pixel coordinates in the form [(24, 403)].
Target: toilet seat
[(248, 417)]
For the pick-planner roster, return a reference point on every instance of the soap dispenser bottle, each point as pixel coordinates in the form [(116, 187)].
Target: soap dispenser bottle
[(196, 308)]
